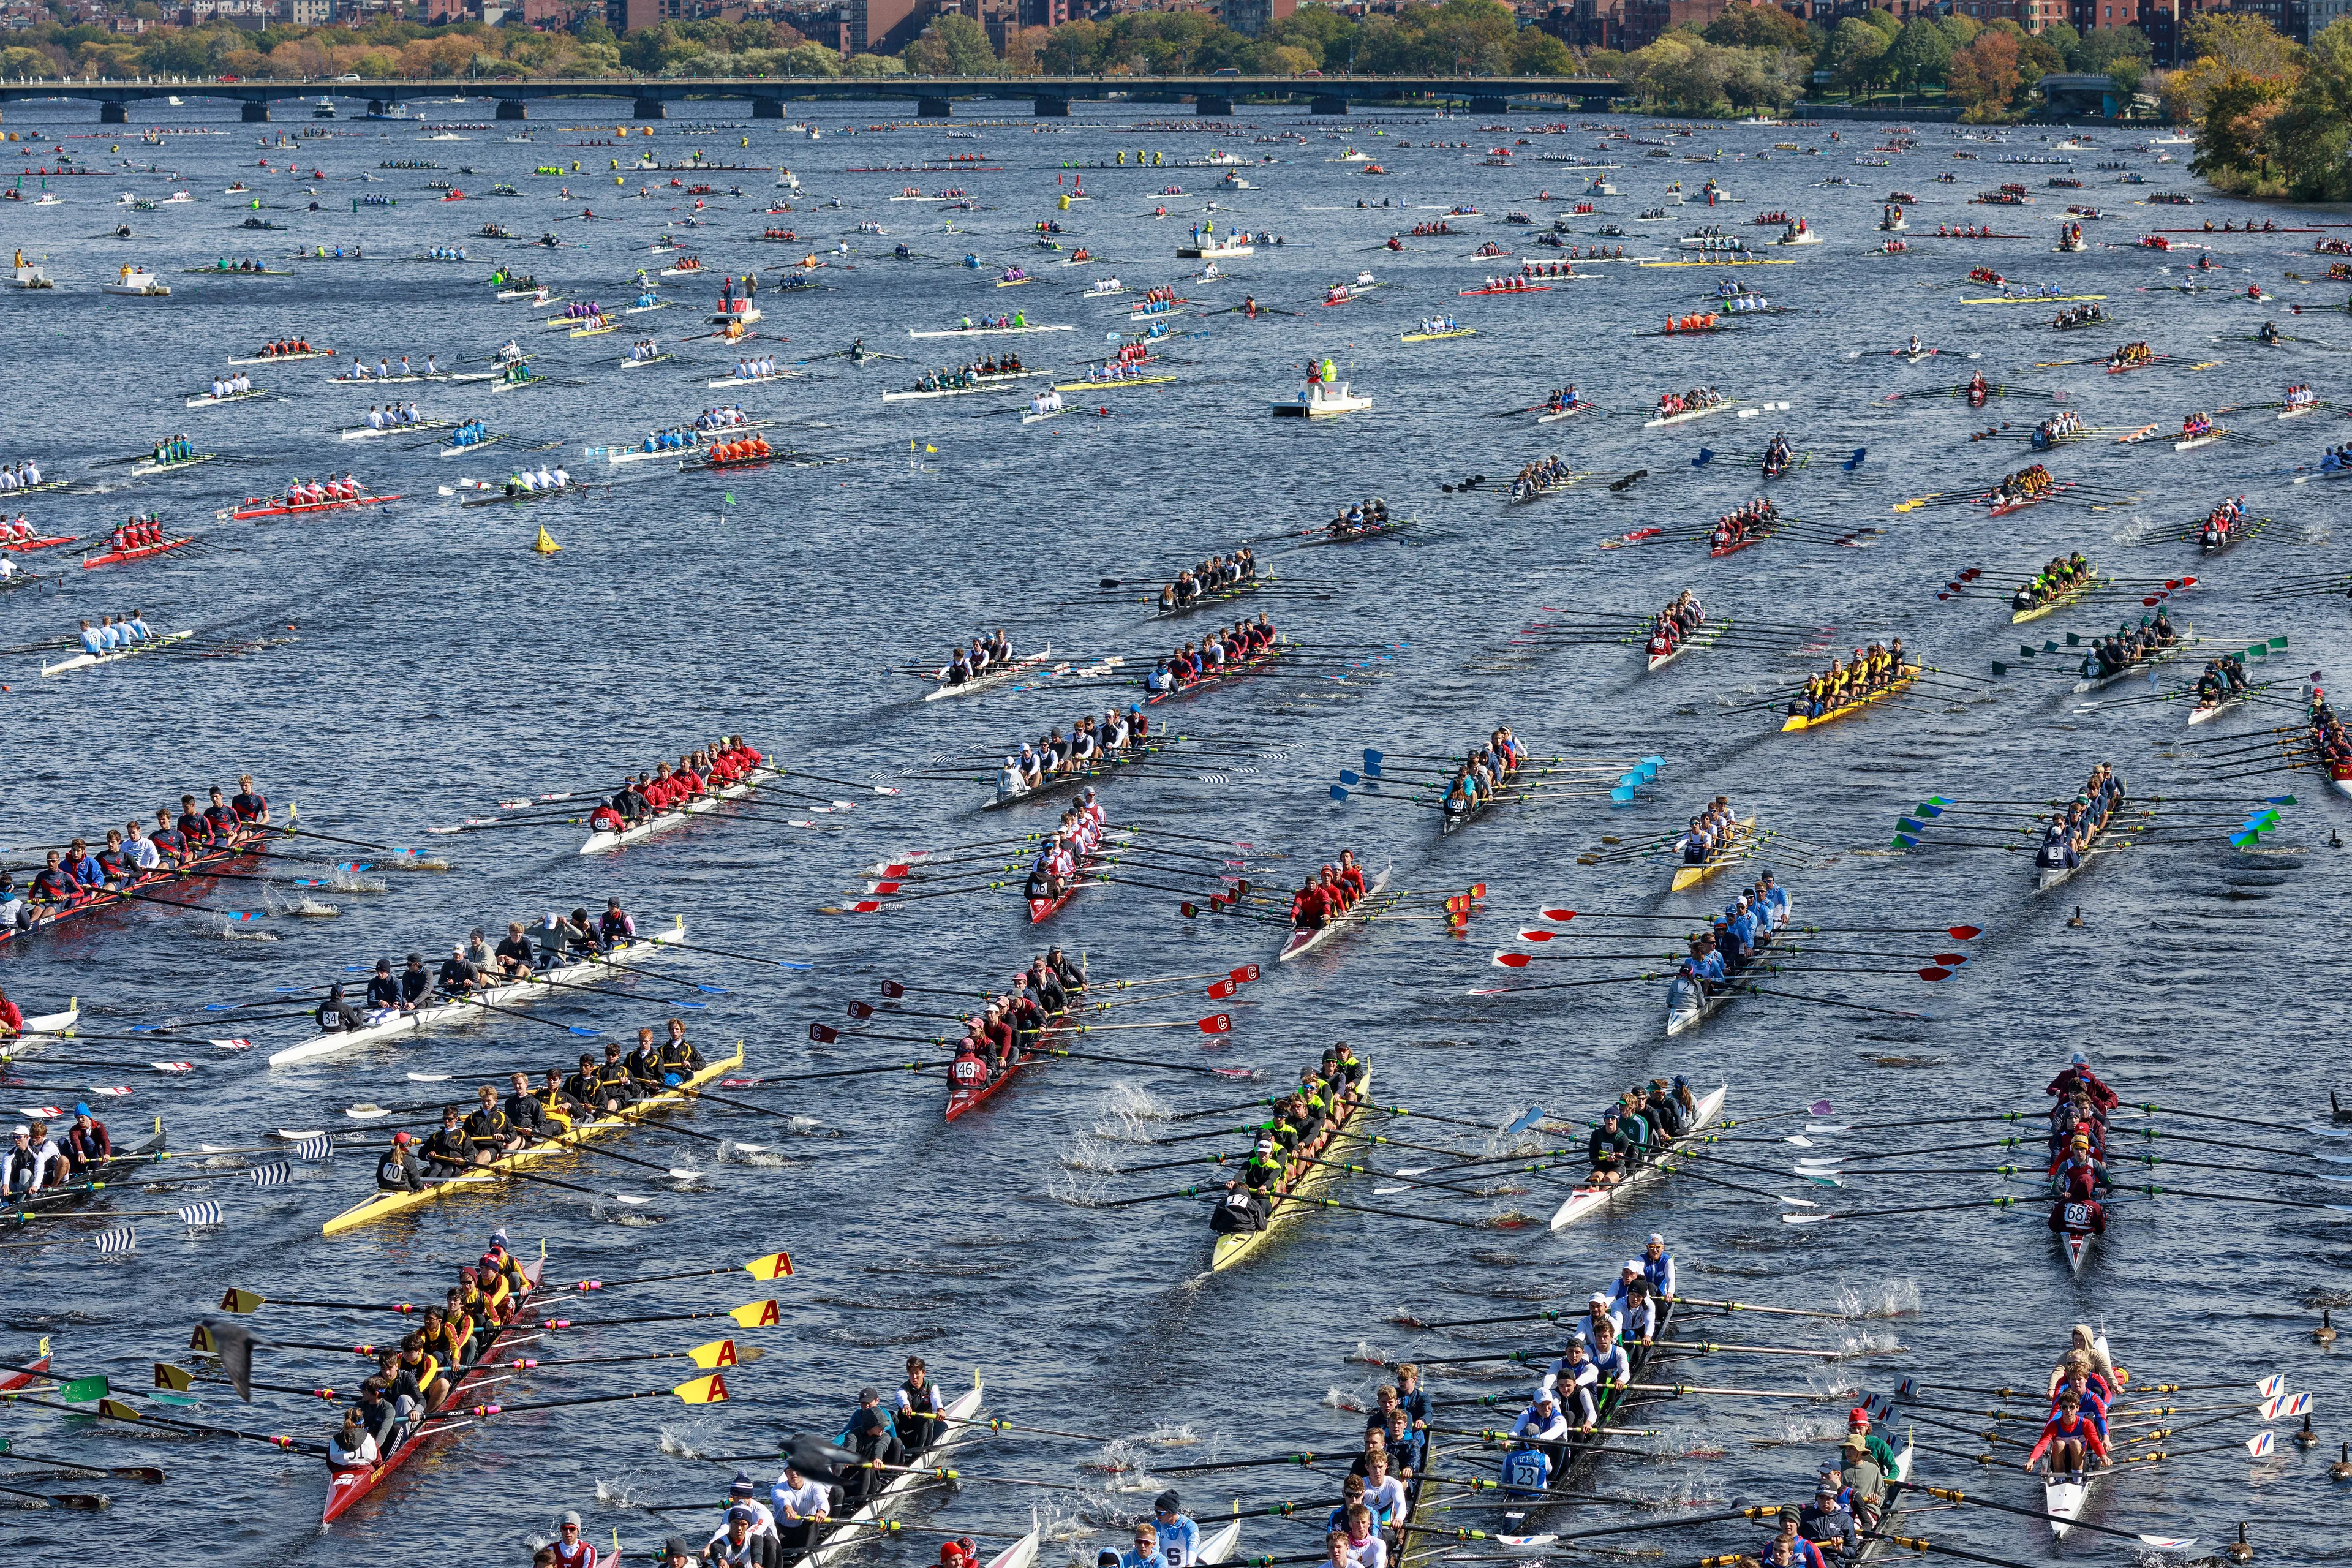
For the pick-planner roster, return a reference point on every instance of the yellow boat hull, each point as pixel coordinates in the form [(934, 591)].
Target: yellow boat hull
[(384, 1206), (1228, 1250), (1894, 688)]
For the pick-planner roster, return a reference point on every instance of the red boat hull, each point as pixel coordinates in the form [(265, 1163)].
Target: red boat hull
[(138, 553), (347, 1487)]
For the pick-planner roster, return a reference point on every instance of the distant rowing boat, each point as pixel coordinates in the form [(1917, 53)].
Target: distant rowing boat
[(1740, 845), (662, 822), (1895, 688), (1288, 1198), (988, 679), (136, 551), (90, 661), (987, 331)]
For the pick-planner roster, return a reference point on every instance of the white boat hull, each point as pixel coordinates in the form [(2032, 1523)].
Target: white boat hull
[(597, 842), (1301, 942), (1587, 1201), (495, 996)]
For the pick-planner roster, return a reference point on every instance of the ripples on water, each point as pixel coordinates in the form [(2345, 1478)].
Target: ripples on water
[(438, 668)]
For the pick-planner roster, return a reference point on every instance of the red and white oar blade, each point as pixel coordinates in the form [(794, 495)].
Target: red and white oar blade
[(899, 869), (1562, 916), (1513, 959), (1244, 976), (1222, 989), (864, 907), (887, 887), (893, 990), (1537, 935), (1217, 1023), (1932, 975), (1964, 933), (861, 1010), (823, 1034)]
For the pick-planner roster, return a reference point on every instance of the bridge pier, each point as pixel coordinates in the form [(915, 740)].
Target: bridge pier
[(1217, 107), (767, 109), (934, 108), (256, 114), (113, 115), (510, 109), (1328, 104), (650, 109), (1051, 109), (1490, 105)]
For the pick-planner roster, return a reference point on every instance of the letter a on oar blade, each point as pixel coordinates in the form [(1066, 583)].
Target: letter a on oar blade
[(774, 1265), (175, 1378), (244, 1302), (710, 1390), (717, 1353), (755, 1314)]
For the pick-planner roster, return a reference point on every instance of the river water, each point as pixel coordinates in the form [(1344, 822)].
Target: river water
[(435, 666)]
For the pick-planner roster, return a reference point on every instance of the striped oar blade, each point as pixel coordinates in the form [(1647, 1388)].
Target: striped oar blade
[(114, 1243), (207, 1212), (273, 1176)]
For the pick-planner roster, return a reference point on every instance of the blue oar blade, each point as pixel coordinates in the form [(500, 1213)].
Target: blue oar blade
[(1349, 776), (1338, 793), (1372, 758)]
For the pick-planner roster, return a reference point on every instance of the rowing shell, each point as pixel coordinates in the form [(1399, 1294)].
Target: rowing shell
[(1895, 688), (1742, 845), (502, 995), (2063, 1501), (384, 1206), (1586, 1201), (2090, 581), (136, 551), (1226, 1250), (987, 331), (862, 1526), (1686, 416), (2048, 877), (992, 677), (1305, 942), (346, 1486), (663, 821), (85, 660)]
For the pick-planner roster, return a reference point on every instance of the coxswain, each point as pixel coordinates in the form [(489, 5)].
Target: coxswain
[(336, 1015)]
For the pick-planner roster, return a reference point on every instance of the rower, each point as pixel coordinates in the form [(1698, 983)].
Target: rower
[(644, 1064), (916, 1409), (871, 1438), (527, 1118), (613, 1079), (2069, 1440), (458, 975), (1180, 1537), (448, 1145), (588, 1088), (514, 953), (677, 1058)]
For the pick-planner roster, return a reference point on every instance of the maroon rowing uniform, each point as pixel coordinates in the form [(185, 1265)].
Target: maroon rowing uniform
[(223, 820), (194, 827), (249, 806)]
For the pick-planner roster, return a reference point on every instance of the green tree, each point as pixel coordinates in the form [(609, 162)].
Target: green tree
[(1537, 53), (1919, 54), (2242, 43), (1883, 20), (1756, 26), (1856, 47)]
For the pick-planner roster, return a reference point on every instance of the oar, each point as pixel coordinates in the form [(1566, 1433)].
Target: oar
[(711, 1389), (84, 1502), (573, 1030), (715, 1354), (466, 1174), (745, 957), (147, 1473), (115, 1410)]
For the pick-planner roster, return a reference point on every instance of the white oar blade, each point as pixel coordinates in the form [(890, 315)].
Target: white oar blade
[(1804, 1218)]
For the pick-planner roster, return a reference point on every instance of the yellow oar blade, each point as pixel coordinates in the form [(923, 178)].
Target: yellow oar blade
[(775, 1266), (202, 1340), (178, 1379), (717, 1353), (117, 1409), (756, 1314), (242, 1302), (710, 1390)]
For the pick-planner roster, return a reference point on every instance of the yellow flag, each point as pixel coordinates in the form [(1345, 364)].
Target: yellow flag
[(775, 1266), (242, 1301), (710, 1390), (755, 1314), (176, 1379), (928, 447), (717, 1353)]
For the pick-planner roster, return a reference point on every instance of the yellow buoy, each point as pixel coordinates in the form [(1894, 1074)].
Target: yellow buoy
[(1065, 201), (545, 546), (620, 179)]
